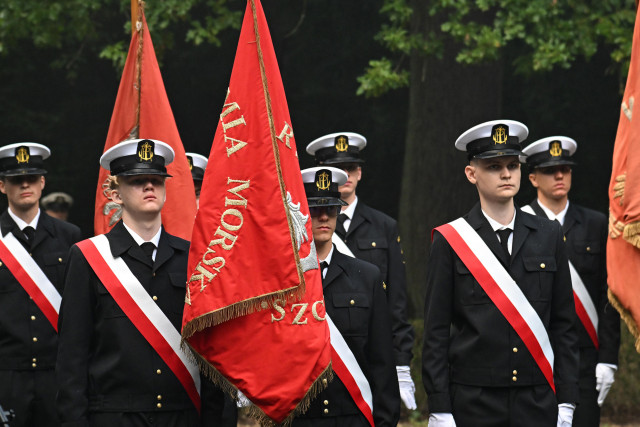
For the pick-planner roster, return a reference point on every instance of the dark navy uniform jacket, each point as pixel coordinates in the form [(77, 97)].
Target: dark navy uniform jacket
[(355, 301), (20, 318), (373, 237), (468, 341), (104, 362)]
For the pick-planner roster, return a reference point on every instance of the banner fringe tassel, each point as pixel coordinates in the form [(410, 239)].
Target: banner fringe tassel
[(253, 411), (626, 316), (632, 234)]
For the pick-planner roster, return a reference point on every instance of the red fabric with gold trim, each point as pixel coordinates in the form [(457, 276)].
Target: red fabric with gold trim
[(252, 244), (623, 245), (155, 121)]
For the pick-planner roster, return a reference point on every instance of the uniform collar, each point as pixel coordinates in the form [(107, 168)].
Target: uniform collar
[(560, 217), (139, 240), (22, 224), (495, 225), (350, 209), (328, 258)]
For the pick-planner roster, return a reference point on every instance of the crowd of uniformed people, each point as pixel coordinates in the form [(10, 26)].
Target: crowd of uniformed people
[(518, 328)]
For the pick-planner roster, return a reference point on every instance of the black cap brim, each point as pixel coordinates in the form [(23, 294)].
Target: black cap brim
[(497, 153), (553, 162), (325, 201), (24, 172), (134, 172)]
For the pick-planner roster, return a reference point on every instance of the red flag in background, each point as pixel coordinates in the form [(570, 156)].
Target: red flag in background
[(623, 246), (255, 311), (142, 110)]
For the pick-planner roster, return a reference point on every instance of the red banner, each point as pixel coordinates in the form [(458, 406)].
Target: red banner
[(623, 246), (255, 311), (142, 110)]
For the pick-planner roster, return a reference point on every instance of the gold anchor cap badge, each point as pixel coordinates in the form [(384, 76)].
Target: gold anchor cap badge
[(500, 134), (342, 143), (555, 148), (22, 154), (323, 180), (145, 150)]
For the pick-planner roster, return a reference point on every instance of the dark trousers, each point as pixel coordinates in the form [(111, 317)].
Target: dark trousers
[(32, 397), (534, 406), (587, 413), (188, 418)]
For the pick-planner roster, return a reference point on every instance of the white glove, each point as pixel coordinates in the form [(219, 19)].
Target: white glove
[(407, 388), (242, 401), (565, 414), (441, 419), (604, 379)]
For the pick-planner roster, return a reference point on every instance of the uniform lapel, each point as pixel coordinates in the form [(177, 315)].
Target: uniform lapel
[(334, 269), (520, 232), (165, 251), (120, 241), (44, 228), (570, 219), (538, 209), (9, 225), (476, 219), (357, 220)]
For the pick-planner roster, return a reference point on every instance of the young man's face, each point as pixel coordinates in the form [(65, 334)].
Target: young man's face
[(354, 173), (323, 222), (497, 179), (140, 194), (24, 191), (554, 182)]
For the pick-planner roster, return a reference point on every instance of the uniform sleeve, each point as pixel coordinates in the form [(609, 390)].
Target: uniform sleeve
[(75, 326), (438, 312), (562, 328), (383, 378), (402, 330), (608, 316)]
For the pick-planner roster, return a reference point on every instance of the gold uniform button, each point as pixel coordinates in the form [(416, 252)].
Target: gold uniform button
[(159, 405), (324, 381), (514, 379), (515, 349), (588, 248), (326, 402), (543, 265), (0, 264), (159, 397), (384, 286), (398, 239), (565, 238), (35, 339), (154, 274), (515, 372), (34, 365), (352, 302), (34, 360), (33, 317), (373, 244), (158, 371), (59, 259), (155, 298), (326, 411)]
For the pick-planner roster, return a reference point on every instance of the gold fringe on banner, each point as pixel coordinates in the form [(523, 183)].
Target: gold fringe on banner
[(626, 316), (632, 234), (253, 411), (238, 309), (618, 188)]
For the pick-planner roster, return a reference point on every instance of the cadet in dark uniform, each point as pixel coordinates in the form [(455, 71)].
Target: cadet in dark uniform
[(355, 301), (197, 164), (28, 339), (477, 369), (108, 373), (585, 231), (372, 236)]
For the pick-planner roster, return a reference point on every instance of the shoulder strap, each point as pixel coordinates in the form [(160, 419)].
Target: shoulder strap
[(31, 277), (502, 290), (143, 312)]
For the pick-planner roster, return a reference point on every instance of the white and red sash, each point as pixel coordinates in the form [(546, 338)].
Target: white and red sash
[(585, 308), (143, 312), (29, 274), (502, 290), (346, 366)]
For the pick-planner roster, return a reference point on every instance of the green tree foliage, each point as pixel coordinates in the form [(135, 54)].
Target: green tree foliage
[(548, 34), (74, 25)]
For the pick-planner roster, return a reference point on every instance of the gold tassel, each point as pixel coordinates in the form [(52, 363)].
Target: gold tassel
[(626, 316), (632, 234), (615, 227), (619, 187)]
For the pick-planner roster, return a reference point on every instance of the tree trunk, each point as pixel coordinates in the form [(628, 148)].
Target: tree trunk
[(445, 99)]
